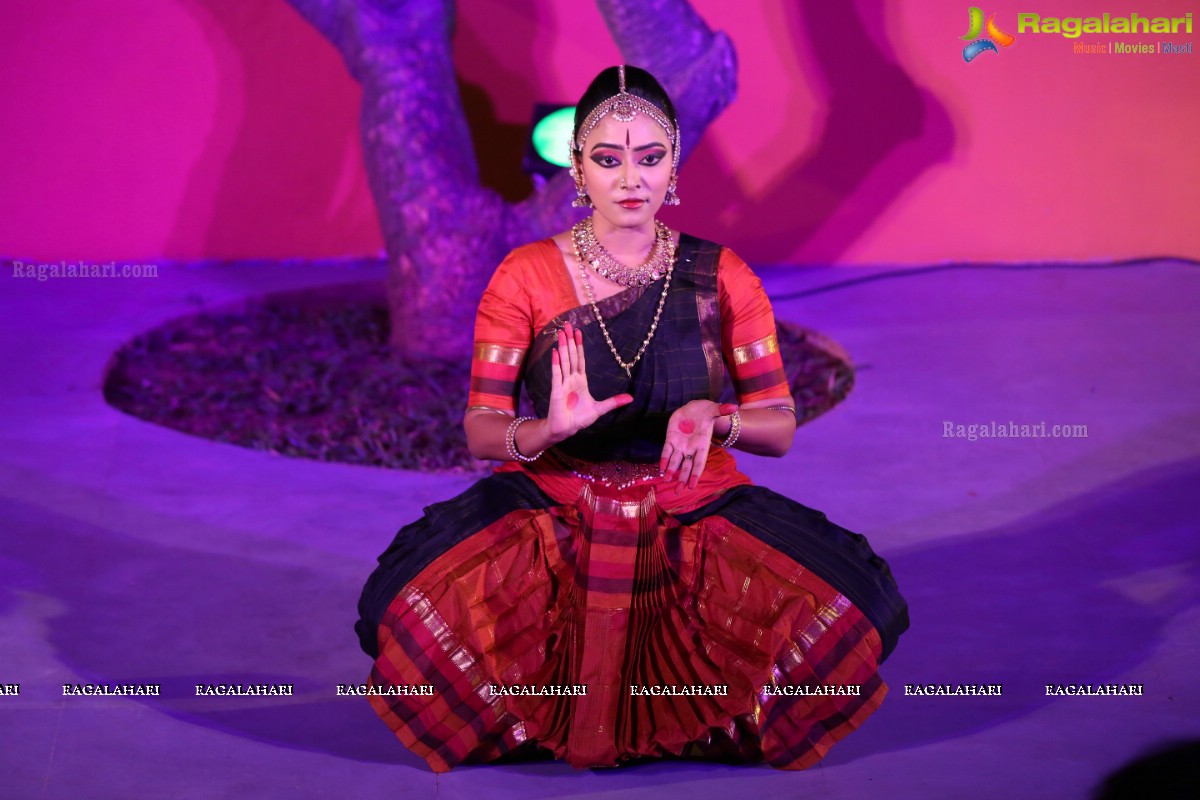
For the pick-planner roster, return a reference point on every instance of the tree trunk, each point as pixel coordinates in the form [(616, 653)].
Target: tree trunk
[(444, 232)]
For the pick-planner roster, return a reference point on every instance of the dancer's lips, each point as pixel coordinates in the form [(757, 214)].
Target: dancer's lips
[(631, 203)]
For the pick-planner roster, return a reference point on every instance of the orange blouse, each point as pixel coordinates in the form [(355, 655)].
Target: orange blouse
[(532, 286)]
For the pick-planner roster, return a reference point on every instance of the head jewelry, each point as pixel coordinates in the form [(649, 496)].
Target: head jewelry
[(624, 107)]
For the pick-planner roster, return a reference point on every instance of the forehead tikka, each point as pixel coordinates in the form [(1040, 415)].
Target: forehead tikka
[(625, 107)]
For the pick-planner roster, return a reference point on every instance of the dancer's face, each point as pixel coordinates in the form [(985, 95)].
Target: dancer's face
[(636, 154)]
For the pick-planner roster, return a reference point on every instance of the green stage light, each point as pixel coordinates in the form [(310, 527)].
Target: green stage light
[(551, 134)]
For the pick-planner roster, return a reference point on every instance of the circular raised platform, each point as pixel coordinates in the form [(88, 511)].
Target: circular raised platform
[(310, 374)]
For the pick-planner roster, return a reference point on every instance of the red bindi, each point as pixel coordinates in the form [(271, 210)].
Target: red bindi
[(686, 426), (572, 399)]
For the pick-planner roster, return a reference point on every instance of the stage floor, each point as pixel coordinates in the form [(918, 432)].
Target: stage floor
[(135, 554)]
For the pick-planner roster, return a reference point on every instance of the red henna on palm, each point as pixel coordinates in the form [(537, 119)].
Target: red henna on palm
[(572, 399), (686, 426)]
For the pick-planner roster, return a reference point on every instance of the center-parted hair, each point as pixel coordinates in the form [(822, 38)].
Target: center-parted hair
[(638, 82)]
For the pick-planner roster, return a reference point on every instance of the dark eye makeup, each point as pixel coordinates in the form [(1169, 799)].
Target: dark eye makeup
[(609, 160)]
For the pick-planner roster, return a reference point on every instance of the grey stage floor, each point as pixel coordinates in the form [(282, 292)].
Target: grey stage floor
[(132, 553)]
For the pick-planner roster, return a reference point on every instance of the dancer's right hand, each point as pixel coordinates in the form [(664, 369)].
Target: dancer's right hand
[(572, 407)]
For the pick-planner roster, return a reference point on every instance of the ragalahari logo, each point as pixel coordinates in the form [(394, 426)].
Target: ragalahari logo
[(995, 36)]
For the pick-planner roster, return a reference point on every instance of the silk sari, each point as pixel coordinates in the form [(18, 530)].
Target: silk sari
[(581, 607)]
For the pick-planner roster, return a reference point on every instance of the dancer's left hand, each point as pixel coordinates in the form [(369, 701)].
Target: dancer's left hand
[(689, 436)]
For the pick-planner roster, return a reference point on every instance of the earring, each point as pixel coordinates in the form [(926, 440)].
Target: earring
[(581, 196), (672, 198)]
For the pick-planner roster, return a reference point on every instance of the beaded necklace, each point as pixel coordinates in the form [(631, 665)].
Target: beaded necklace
[(587, 288), (594, 254)]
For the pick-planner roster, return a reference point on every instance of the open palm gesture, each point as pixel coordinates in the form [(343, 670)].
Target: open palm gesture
[(688, 440), (572, 407)]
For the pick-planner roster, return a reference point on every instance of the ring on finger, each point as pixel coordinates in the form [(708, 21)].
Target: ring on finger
[(689, 456)]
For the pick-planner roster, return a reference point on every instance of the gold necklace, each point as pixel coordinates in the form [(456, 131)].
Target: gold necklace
[(594, 254), (587, 288)]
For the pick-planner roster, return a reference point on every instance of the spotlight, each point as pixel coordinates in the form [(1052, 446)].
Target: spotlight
[(546, 153)]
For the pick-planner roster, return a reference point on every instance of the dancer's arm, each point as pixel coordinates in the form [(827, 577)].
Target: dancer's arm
[(572, 408)]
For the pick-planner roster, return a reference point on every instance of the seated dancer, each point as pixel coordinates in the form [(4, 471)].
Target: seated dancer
[(617, 590)]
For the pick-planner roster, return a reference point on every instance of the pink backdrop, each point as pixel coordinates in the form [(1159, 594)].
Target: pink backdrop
[(174, 128)]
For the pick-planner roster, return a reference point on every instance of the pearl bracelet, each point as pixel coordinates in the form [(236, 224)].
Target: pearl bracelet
[(735, 429), (510, 440)]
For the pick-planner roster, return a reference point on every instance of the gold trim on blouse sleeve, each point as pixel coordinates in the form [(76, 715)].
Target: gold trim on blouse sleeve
[(756, 350), (498, 354)]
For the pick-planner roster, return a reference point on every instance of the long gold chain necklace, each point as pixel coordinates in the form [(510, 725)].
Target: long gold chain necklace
[(662, 300)]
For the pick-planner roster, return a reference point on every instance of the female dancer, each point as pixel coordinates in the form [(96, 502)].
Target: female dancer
[(617, 590)]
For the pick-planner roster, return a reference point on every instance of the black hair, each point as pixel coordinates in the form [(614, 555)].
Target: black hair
[(607, 84)]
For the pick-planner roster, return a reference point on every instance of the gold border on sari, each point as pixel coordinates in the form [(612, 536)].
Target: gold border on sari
[(708, 310)]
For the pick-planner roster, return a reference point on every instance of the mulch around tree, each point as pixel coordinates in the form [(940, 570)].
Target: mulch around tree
[(310, 374)]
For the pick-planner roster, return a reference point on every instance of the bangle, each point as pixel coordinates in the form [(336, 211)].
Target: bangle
[(510, 440), (492, 409), (735, 429)]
